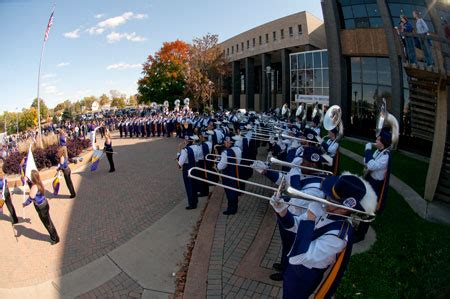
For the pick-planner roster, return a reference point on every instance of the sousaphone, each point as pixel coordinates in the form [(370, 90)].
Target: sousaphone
[(333, 119), (387, 120)]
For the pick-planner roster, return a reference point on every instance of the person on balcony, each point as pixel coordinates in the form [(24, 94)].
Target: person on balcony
[(422, 28), (406, 27)]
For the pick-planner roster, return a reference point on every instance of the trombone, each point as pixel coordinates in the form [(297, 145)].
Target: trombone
[(299, 139), (241, 165), (356, 216), (291, 165)]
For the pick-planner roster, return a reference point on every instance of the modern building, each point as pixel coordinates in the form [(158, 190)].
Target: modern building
[(368, 62), (260, 61)]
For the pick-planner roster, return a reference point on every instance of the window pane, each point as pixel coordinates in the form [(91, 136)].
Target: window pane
[(384, 71), (372, 10), (349, 24), (359, 11), (301, 61), (386, 93), (370, 95), (309, 77), (301, 78), (294, 62), (325, 59), (325, 91), (356, 69), (325, 78), (317, 60), (318, 91), (347, 12), (294, 79), (309, 63), (362, 23), (376, 23), (369, 69), (317, 78), (345, 2)]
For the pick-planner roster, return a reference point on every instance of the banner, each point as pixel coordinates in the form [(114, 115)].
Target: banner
[(98, 154), (31, 165)]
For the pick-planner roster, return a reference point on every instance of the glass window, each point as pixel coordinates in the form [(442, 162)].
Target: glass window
[(369, 69), (370, 94), (376, 22), (282, 33), (294, 64), (324, 59), (291, 31), (359, 11), (317, 78), (309, 61), (362, 23), (325, 91), (347, 12), (318, 91), (301, 61), (254, 42), (237, 48), (325, 78), (301, 78), (228, 51), (356, 69), (372, 10), (384, 71), (317, 60), (300, 31), (274, 34), (385, 92), (260, 40), (349, 24), (248, 44), (232, 49), (242, 46), (294, 82), (309, 77), (267, 38)]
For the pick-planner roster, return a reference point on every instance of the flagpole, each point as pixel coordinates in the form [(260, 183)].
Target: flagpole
[(47, 30)]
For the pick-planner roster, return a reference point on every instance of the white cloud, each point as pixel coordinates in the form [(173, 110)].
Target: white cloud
[(73, 34), (99, 16), (95, 30), (50, 89), (60, 93), (62, 64), (46, 76), (122, 66), (115, 37), (113, 22), (86, 91)]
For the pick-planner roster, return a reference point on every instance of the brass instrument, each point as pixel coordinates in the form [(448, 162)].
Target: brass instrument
[(333, 119)]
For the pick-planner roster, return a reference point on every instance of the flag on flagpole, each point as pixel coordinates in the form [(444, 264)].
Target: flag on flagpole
[(49, 25), (98, 154), (31, 165)]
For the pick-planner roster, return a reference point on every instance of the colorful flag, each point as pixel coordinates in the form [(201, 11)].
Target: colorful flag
[(56, 183), (31, 165), (98, 154), (49, 25), (2, 198), (22, 175)]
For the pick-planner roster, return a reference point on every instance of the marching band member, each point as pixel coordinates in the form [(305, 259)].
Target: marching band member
[(64, 166), (6, 196), (321, 237), (109, 150), (230, 155), (331, 145), (186, 161), (41, 205)]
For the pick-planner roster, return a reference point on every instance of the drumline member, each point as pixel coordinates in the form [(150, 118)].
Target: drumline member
[(186, 161), (230, 155), (320, 237), (6, 196)]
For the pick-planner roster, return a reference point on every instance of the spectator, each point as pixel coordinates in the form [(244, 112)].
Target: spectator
[(422, 28)]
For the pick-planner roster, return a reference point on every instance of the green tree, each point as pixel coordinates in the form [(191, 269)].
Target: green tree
[(28, 119), (164, 74), (43, 108), (67, 114), (87, 102), (118, 102), (104, 100), (132, 101)]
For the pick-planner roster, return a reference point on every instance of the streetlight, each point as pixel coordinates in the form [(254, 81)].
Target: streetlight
[(268, 72), (17, 120)]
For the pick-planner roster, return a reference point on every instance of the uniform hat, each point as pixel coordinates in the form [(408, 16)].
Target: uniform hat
[(309, 134), (248, 126), (385, 137), (192, 138), (236, 138), (350, 191), (228, 138), (316, 119), (312, 154)]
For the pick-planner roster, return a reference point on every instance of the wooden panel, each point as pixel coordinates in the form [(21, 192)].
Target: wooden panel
[(364, 42)]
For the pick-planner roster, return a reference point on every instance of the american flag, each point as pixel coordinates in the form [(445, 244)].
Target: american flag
[(50, 23)]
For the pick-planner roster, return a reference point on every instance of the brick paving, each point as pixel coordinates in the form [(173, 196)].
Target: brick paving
[(110, 208)]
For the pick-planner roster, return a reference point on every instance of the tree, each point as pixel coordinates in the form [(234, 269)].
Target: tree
[(104, 100), (67, 114), (132, 101), (87, 102), (118, 102), (43, 108), (28, 119), (206, 65), (164, 74)]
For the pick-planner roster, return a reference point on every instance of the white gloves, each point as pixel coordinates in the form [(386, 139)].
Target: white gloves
[(316, 208), (278, 204), (259, 166), (368, 146), (319, 139)]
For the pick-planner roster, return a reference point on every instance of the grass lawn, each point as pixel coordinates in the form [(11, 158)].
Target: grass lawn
[(411, 171), (410, 259)]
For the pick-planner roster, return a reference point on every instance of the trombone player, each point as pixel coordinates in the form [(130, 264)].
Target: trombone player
[(186, 160)]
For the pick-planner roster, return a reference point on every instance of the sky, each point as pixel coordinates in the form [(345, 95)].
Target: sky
[(95, 46)]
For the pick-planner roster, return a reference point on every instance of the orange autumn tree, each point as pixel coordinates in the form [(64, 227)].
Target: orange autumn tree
[(164, 73)]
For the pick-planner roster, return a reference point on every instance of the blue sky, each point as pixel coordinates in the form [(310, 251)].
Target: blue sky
[(99, 45)]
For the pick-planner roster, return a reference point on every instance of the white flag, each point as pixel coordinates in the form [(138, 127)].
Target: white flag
[(31, 165)]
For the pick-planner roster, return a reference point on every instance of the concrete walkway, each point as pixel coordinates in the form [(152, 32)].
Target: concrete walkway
[(151, 258)]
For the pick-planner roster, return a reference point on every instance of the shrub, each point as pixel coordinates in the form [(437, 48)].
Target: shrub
[(11, 163)]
